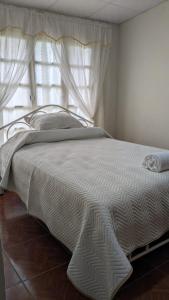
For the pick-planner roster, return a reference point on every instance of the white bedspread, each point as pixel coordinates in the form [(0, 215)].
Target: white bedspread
[(95, 197)]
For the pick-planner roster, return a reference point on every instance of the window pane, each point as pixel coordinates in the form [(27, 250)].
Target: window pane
[(49, 96), (5, 68), (47, 75), (81, 76), (85, 93), (80, 56), (44, 52), (26, 79), (10, 114), (11, 47), (88, 55), (20, 98), (73, 104)]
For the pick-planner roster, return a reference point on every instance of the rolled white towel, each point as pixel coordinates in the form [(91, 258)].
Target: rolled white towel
[(157, 162)]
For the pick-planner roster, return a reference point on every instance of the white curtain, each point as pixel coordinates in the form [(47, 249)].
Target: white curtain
[(83, 70), (70, 59), (47, 74), (15, 56)]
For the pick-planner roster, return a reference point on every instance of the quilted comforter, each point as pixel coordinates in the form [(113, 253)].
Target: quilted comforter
[(95, 197)]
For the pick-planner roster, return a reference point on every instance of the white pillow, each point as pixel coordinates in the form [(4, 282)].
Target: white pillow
[(60, 120)]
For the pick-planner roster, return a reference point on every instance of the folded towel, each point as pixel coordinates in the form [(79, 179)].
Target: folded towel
[(157, 162)]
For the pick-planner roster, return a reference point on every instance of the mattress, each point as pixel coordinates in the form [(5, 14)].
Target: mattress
[(96, 198)]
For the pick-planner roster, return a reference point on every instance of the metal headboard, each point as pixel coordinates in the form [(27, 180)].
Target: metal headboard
[(22, 119)]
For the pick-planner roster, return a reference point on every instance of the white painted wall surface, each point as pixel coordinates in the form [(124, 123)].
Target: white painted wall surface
[(143, 82)]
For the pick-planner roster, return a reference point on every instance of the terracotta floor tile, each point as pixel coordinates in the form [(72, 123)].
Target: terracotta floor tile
[(18, 292), (11, 207), (20, 229), (37, 256), (11, 277), (54, 285)]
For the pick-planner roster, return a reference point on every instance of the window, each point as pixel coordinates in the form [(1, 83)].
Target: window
[(49, 85), (43, 83)]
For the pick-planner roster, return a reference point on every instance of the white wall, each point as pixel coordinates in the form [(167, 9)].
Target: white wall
[(110, 85), (143, 85)]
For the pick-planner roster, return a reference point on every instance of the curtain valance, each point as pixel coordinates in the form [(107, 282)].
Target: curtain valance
[(33, 22)]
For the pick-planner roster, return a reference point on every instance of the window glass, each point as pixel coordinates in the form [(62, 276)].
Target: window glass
[(81, 76), (47, 95), (20, 98), (44, 52), (43, 81), (80, 56), (49, 75)]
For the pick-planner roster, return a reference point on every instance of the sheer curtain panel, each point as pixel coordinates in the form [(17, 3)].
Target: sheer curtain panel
[(83, 70), (15, 56)]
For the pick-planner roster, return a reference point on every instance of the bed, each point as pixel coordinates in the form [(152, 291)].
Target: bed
[(94, 196)]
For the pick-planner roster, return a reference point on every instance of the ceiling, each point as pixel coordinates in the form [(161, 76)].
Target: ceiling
[(115, 11)]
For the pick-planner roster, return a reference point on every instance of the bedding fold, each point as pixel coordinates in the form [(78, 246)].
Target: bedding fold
[(157, 162)]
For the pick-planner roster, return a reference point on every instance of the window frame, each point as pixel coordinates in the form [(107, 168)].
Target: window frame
[(33, 85)]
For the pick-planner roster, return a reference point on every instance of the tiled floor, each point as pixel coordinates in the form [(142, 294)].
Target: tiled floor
[(35, 263)]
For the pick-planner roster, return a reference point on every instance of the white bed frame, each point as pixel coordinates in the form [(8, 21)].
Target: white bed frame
[(22, 120), (41, 109)]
